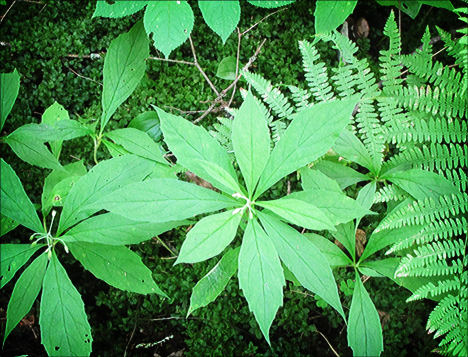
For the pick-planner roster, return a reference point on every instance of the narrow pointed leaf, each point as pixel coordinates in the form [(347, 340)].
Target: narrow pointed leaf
[(212, 284), (51, 115), (124, 67), (64, 129), (105, 178), (312, 132), (116, 265), (346, 235), (366, 195), (315, 179), (15, 203), (334, 255), (299, 212), (331, 14), (9, 89), (344, 175), (364, 330), (171, 23), (65, 330), (352, 149), (209, 237), (7, 225), (14, 256), (221, 175), (120, 8), (260, 276), (221, 16), (149, 123), (162, 200), (251, 141), (304, 260), (25, 292)]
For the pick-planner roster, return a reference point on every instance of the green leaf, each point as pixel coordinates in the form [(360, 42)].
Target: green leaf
[(384, 267), (124, 67), (51, 115), (25, 292), (251, 141), (260, 275), (15, 203), (7, 224), (212, 284), (346, 235), (422, 184), (299, 212), (105, 178), (193, 146), (312, 132), (304, 260), (14, 256), (137, 142), (352, 149), (221, 176), (227, 68), (162, 200), (315, 179), (113, 229), (209, 237), (9, 89), (65, 330), (344, 175), (270, 4), (444, 4), (364, 330), (116, 265), (114, 149), (171, 23), (335, 256), (366, 195), (221, 16), (149, 123), (331, 14), (409, 7), (120, 8)]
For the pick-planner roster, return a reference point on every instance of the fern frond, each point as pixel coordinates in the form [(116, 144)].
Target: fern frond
[(278, 127), (345, 81), (223, 132), (430, 290), (390, 193), (300, 97), (389, 60)]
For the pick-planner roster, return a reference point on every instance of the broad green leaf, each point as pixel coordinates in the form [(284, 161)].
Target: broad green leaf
[(299, 212), (304, 260), (221, 16), (337, 207), (116, 265), (351, 148), (366, 195), (65, 330), (15, 203), (25, 292), (113, 229), (209, 237), (227, 68), (137, 142), (114, 149), (315, 179), (288, 275), (164, 171), (9, 89), (33, 151), (409, 7), (346, 235), (331, 14), (162, 200), (364, 330), (105, 178), (422, 184), (311, 133), (51, 115), (384, 267), (251, 141), (171, 23), (120, 8), (149, 123), (14, 256), (189, 142), (344, 175), (444, 4), (260, 275), (64, 129), (270, 4), (335, 256), (7, 224), (221, 175), (124, 67), (212, 284)]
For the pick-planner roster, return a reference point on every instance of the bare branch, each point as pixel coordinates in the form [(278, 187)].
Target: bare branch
[(266, 17), (199, 68), (79, 75)]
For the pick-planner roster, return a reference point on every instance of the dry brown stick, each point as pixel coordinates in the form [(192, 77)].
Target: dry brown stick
[(199, 68), (5, 44), (170, 60), (239, 39), (3, 16), (329, 344), (266, 17), (79, 75)]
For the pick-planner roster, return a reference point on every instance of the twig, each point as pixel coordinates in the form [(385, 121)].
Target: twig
[(165, 246), (170, 60), (199, 68), (336, 353), (135, 326), (5, 44), (1, 19), (79, 75), (92, 55), (300, 292), (239, 39), (185, 111), (266, 17)]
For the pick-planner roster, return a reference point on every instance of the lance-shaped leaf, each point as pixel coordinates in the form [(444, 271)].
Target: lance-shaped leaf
[(304, 260), (149, 123), (299, 212), (312, 132), (364, 330), (221, 176), (15, 203), (113, 229), (251, 141), (14, 256), (120, 8), (335, 256), (331, 14), (7, 224), (346, 235), (260, 275), (344, 175), (65, 330), (212, 284), (64, 129), (9, 89), (221, 16), (366, 195), (103, 179), (137, 142), (315, 179), (25, 292), (209, 237), (162, 200), (270, 4), (51, 115), (351, 148), (116, 265), (171, 23), (124, 67), (193, 146)]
